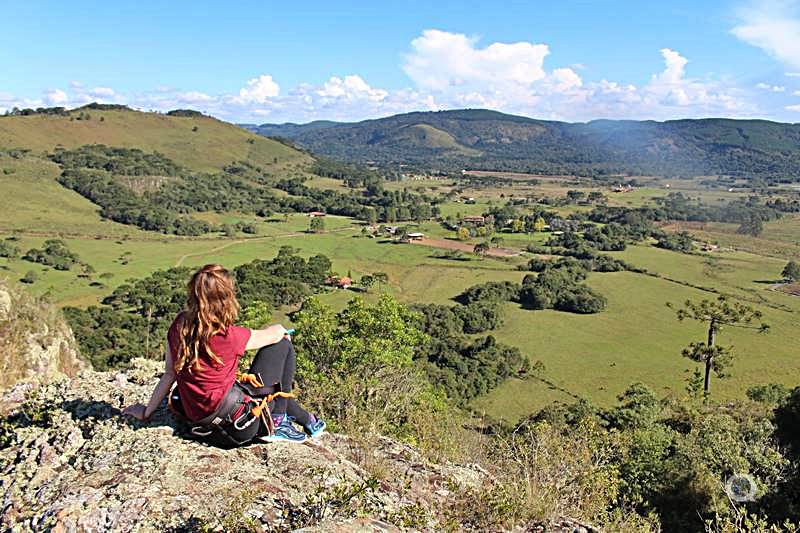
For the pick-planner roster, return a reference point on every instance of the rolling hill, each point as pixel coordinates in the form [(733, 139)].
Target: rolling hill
[(489, 140), (33, 200)]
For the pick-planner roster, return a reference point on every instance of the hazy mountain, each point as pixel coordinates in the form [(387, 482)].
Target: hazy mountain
[(483, 139)]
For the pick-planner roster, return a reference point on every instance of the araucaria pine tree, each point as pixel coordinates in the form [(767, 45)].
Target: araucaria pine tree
[(717, 314)]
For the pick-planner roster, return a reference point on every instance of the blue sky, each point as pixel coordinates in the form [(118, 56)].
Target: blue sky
[(349, 60)]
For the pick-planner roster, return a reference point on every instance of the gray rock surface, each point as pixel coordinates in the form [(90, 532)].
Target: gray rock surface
[(35, 341), (70, 462)]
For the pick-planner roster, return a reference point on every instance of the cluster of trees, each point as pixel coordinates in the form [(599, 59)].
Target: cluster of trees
[(27, 111), (559, 285), (679, 242), (465, 367), (791, 271), (119, 204), (8, 249), (132, 321), (374, 205), (190, 113), (352, 175), (93, 172), (123, 161), (54, 253), (683, 465)]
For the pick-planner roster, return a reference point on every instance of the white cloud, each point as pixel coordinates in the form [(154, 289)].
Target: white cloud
[(792, 74), (351, 88), (773, 26), (441, 60), (259, 90), (771, 88), (452, 70), (793, 107), (103, 92), (796, 93), (56, 97), (195, 97)]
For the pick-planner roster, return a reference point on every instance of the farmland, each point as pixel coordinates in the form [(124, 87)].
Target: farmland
[(592, 357)]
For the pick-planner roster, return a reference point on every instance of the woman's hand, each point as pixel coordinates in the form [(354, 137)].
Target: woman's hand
[(264, 337), (137, 411)]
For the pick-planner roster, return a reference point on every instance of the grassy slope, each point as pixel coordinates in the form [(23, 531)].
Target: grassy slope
[(638, 338), (214, 144), (49, 207)]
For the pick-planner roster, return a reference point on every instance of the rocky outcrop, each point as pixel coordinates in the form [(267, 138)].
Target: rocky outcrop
[(35, 342), (70, 462)]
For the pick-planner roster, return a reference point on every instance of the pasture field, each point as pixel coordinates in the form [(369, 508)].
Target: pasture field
[(637, 338), (781, 238)]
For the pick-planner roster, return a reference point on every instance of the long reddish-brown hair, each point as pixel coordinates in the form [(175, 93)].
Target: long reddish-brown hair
[(211, 306)]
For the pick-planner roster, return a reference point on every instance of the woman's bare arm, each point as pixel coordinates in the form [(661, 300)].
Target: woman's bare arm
[(142, 412), (264, 337)]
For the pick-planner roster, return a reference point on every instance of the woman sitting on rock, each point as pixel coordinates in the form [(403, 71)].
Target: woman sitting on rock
[(202, 355)]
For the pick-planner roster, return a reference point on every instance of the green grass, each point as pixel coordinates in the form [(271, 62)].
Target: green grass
[(212, 145), (636, 339), (595, 357)]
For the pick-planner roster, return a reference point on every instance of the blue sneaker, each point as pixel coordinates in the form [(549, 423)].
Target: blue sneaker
[(315, 427), (285, 432)]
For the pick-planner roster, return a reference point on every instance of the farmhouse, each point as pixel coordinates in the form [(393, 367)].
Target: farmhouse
[(342, 282), (415, 236), (474, 219), (315, 214)]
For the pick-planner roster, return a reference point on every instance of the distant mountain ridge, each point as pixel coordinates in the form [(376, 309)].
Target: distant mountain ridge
[(490, 140)]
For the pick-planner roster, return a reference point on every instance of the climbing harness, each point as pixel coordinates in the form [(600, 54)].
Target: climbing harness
[(245, 402)]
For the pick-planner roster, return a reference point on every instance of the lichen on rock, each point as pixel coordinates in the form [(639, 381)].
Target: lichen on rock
[(35, 341), (70, 462)]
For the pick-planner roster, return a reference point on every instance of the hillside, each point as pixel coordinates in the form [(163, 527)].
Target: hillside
[(71, 462), (488, 140), (196, 144)]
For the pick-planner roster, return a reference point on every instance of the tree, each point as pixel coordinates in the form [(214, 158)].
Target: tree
[(752, 225), (496, 241), (717, 315), (791, 271), (317, 225), (381, 278), (481, 248), (370, 216), (257, 315), (575, 196), (401, 234), (462, 233), (539, 224), (367, 281), (30, 277), (229, 230)]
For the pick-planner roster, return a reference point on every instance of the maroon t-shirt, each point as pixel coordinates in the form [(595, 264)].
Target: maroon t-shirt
[(202, 389)]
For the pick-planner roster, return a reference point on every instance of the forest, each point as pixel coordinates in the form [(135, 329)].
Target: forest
[(489, 140)]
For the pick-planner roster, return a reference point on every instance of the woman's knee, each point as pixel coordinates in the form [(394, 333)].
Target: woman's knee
[(280, 348)]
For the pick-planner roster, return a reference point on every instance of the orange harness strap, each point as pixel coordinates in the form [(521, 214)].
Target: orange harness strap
[(262, 409), (250, 379), (258, 409)]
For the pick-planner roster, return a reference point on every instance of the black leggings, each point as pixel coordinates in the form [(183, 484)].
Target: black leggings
[(276, 363)]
